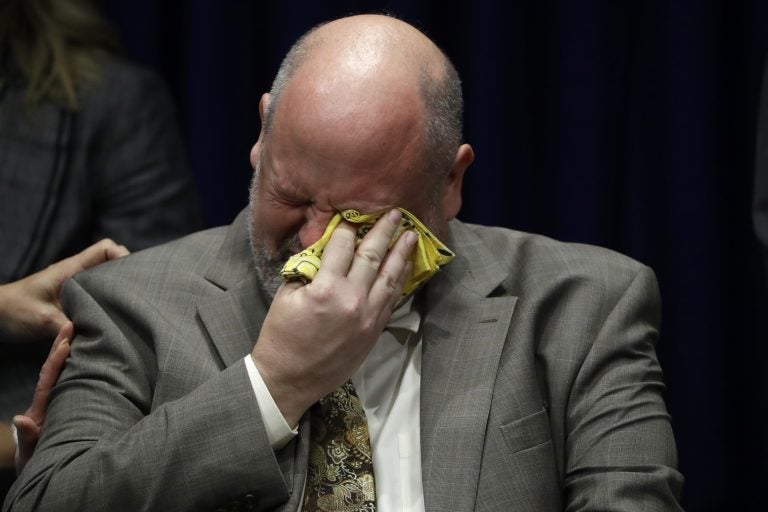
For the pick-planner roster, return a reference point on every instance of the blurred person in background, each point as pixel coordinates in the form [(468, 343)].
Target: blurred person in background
[(89, 149)]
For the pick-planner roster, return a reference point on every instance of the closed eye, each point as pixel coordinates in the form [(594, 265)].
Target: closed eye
[(287, 199)]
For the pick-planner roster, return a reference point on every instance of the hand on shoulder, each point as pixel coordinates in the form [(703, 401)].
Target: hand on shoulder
[(30, 308)]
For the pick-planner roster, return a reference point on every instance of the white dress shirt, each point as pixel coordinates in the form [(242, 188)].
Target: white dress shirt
[(388, 384)]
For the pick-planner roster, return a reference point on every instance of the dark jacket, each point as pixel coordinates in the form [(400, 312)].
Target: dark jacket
[(115, 168)]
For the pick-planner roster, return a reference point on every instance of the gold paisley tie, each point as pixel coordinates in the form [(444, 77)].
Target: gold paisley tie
[(340, 471)]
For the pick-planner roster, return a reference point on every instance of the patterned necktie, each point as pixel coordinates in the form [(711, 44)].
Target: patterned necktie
[(340, 472)]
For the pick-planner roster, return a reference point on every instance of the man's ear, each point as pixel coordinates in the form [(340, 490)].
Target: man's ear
[(451, 194), (263, 106)]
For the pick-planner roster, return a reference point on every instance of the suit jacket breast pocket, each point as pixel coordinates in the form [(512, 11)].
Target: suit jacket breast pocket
[(527, 432), (524, 474)]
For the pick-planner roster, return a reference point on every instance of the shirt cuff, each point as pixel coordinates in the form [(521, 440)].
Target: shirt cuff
[(279, 432)]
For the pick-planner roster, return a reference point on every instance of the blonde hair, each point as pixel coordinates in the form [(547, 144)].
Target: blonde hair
[(55, 45)]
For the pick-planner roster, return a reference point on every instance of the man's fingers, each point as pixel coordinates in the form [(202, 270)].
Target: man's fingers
[(338, 253), (394, 271), (289, 286), (373, 249)]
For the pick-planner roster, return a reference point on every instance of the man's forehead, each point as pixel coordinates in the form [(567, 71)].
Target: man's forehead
[(363, 101), (377, 149), (370, 122)]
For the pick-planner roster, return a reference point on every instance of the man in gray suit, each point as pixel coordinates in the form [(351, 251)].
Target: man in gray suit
[(530, 383)]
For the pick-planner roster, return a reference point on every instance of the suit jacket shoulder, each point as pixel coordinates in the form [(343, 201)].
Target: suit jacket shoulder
[(526, 256)]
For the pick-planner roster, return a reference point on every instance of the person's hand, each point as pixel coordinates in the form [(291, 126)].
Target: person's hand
[(30, 308), (316, 335), (29, 425)]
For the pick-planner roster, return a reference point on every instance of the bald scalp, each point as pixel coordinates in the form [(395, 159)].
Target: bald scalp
[(378, 66)]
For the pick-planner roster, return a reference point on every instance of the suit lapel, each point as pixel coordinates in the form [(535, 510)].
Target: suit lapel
[(233, 320), (234, 316), (463, 336)]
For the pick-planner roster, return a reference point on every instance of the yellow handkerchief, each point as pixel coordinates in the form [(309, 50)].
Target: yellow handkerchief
[(430, 253)]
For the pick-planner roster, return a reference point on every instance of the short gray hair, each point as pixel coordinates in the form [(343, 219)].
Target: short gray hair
[(444, 111)]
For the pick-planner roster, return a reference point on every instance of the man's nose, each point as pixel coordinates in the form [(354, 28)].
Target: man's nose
[(314, 227)]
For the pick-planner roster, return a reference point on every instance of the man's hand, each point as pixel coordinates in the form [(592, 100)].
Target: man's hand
[(29, 425), (316, 335), (30, 308)]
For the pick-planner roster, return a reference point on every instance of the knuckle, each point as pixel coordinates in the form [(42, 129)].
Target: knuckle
[(103, 244), (351, 307), (369, 256), (390, 282), (322, 292), (370, 329)]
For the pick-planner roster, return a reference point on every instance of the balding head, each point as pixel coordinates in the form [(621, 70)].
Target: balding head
[(374, 73)]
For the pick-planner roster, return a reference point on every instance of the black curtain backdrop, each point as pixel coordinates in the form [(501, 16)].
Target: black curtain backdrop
[(627, 124)]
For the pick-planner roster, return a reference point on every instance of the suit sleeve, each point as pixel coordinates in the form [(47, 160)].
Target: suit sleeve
[(620, 450), (105, 445), (143, 193)]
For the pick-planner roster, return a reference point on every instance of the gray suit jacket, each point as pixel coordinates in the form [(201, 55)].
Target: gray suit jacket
[(540, 386)]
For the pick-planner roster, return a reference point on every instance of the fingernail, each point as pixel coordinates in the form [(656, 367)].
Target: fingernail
[(394, 215), (411, 238), (63, 342)]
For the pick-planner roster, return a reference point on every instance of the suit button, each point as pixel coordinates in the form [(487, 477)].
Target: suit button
[(250, 502)]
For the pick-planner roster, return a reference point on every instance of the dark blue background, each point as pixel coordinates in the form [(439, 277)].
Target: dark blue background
[(628, 124)]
